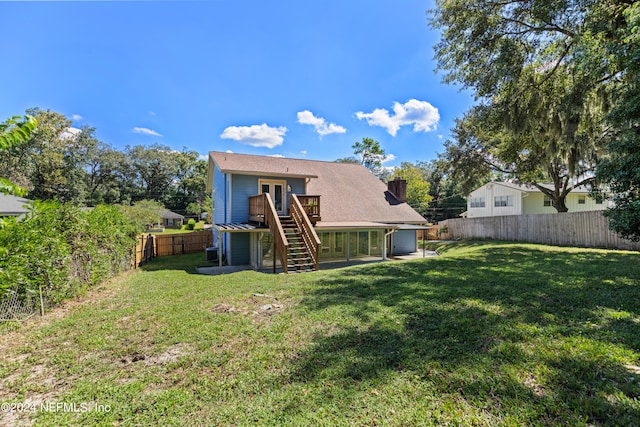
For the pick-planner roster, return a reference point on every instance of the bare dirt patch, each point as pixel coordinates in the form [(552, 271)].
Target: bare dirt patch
[(172, 354), (255, 305)]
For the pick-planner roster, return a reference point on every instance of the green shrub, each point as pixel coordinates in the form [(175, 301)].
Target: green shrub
[(59, 249), (191, 224)]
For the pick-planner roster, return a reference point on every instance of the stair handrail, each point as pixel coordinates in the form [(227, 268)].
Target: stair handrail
[(280, 242), (309, 235)]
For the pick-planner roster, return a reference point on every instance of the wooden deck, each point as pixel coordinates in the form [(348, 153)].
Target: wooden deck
[(310, 204)]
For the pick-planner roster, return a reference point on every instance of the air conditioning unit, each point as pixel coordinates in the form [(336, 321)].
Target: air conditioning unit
[(211, 254)]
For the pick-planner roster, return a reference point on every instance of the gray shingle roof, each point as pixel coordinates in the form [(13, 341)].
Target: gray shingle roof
[(531, 189), (171, 215), (349, 192)]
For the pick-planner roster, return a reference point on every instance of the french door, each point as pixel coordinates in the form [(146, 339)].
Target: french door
[(276, 190)]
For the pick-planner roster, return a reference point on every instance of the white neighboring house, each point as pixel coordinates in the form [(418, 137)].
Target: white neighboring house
[(506, 198)]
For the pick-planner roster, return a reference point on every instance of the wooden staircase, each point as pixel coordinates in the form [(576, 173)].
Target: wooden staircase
[(296, 244), (299, 259)]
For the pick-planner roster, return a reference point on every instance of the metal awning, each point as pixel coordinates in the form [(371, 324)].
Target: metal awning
[(238, 226)]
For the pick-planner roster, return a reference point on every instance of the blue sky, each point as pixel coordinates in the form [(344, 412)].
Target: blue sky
[(289, 78)]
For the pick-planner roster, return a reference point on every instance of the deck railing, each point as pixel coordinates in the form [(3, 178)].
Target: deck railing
[(311, 239), (311, 205), (280, 242), (256, 208)]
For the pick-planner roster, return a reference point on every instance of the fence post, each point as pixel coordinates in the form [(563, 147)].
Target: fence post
[(41, 301)]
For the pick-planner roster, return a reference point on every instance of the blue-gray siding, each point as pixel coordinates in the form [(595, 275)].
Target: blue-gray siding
[(219, 198), (245, 186), (240, 250)]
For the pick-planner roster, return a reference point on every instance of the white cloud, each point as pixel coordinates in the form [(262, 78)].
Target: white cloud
[(70, 133), (76, 117), (440, 136), (303, 152), (322, 128), (389, 158), (256, 135), (203, 157), (229, 151), (277, 155), (423, 116), (146, 131)]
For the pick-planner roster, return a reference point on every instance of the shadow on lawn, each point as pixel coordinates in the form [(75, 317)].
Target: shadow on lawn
[(187, 263), (516, 330)]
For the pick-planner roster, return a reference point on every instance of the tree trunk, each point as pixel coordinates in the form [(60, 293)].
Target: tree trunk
[(559, 203)]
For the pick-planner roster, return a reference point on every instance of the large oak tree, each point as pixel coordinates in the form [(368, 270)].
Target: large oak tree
[(542, 94)]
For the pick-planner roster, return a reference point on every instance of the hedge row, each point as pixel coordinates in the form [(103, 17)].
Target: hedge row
[(59, 250)]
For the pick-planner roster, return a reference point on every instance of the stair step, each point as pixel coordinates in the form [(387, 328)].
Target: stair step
[(301, 266), (300, 261)]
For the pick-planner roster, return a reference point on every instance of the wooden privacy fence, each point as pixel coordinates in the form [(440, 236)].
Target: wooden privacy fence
[(583, 229), (184, 243), (143, 250), (155, 245)]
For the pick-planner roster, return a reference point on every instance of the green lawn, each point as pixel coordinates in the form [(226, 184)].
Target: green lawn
[(488, 334), (199, 226)]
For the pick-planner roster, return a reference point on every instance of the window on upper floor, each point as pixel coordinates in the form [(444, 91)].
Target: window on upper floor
[(476, 202), (547, 200), (501, 201), (582, 200)]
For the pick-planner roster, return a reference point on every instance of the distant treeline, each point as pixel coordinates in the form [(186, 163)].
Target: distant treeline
[(71, 165)]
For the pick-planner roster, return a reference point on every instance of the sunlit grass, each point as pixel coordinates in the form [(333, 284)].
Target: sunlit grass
[(487, 334)]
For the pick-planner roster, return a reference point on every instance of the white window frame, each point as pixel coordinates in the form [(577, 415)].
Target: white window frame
[(272, 183), (476, 202), (503, 201)]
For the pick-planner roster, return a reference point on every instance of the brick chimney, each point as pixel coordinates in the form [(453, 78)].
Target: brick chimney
[(398, 187)]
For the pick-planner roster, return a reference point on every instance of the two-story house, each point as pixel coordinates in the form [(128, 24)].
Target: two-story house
[(506, 198), (269, 212)]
